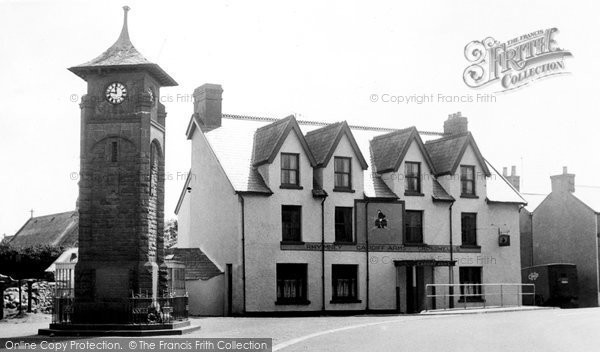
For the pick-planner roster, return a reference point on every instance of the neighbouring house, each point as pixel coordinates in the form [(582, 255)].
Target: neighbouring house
[(63, 269), (307, 217), (59, 229), (62, 230), (202, 277), (563, 227)]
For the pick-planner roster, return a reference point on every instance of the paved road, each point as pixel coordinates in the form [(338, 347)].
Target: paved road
[(545, 330), (541, 330)]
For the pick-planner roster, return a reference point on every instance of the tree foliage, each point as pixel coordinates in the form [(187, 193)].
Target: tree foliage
[(27, 262)]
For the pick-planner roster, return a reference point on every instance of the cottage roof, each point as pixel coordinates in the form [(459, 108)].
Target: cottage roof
[(390, 149), (447, 152), (324, 140), (197, 265), (269, 139), (61, 229)]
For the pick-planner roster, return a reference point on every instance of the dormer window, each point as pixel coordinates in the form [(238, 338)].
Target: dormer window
[(342, 173), (412, 178), (290, 170), (467, 180)]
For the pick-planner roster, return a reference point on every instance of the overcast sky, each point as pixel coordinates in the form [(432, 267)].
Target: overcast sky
[(321, 61)]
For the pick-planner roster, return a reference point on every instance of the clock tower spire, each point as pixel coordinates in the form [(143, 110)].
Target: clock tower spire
[(121, 191)]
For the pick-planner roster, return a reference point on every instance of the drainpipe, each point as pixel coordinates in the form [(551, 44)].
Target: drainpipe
[(451, 268), (323, 252), (243, 254), (367, 248)]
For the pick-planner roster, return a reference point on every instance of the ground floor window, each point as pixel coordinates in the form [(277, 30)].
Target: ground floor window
[(470, 280), (344, 282), (291, 283)]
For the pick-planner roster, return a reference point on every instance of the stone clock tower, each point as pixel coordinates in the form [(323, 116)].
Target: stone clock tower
[(121, 191)]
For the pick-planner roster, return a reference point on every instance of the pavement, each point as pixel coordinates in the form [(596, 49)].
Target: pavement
[(484, 310), (522, 330)]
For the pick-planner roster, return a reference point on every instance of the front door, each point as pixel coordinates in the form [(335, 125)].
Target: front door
[(415, 289)]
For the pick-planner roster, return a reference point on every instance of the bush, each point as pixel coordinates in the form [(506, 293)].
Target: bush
[(27, 262)]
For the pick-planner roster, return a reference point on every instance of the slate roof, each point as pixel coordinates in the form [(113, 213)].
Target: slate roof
[(324, 140), (123, 55), (533, 200), (68, 256), (375, 187), (390, 149), (268, 140), (590, 196), (60, 229), (447, 152), (197, 265), (233, 145), (500, 190), (440, 194)]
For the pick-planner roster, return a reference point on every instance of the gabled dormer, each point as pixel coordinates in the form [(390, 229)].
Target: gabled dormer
[(402, 161), (339, 161), (282, 156), (460, 166)]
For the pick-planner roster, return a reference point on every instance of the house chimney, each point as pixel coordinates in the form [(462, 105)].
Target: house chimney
[(455, 124), (207, 106), (513, 178), (564, 182)]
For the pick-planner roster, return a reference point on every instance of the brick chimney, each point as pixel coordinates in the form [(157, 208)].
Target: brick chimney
[(207, 106), (513, 178), (456, 124), (564, 182)]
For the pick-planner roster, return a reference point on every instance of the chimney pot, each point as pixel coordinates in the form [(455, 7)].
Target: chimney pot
[(565, 170), (513, 170), (505, 171)]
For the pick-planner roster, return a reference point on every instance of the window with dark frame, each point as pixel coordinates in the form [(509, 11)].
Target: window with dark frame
[(470, 280), (468, 224), (292, 283), (291, 220), (467, 180), (414, 227), (343, 173), (412, 177), (290, 169), (344, 282), (343, 224)]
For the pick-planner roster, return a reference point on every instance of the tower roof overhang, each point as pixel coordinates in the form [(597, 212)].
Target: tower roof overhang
[(123, 56)]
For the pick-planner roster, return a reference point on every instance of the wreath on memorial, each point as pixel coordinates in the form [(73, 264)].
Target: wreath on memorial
[(153, 315)]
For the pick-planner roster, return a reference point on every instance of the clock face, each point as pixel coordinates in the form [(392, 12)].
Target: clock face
[(116, 92)]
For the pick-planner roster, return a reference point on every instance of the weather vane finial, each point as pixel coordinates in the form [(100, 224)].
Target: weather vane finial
[(124, 37)]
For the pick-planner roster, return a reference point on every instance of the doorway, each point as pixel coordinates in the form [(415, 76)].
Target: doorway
[(415, 289)]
